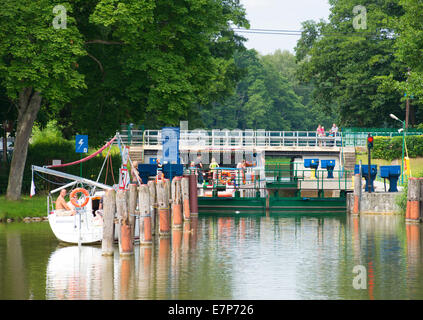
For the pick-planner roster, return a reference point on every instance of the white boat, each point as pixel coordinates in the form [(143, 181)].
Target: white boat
[(86, 226)]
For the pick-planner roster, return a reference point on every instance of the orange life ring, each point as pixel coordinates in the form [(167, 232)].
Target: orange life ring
[(73, 198)]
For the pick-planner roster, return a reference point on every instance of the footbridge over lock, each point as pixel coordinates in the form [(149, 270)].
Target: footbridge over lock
[(295, 145)]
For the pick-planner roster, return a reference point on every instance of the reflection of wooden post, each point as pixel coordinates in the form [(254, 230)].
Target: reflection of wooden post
[(176, 203), (194, 230), (144, 272), (109, 209), (413, 200), (132, 206), (413, 243), (357, 193), (106, 269), (125, 243), (421, 199), (193, 194), (125, 275), (185, 197), (163, 205), (145, 215), (153, 205), (162, 273)]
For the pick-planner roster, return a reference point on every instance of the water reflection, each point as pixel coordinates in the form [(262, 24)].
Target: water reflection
[(283, 257)]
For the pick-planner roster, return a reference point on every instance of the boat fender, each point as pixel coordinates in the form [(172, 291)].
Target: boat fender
[(74, 200)]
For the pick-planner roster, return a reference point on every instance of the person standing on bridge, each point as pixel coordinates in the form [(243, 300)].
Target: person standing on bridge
[(320, 132), (333, 131)]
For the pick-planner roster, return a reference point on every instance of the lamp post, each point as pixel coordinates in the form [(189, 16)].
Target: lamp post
[(403, 144)]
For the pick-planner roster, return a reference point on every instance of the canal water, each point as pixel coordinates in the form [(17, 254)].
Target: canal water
[(285, 257)]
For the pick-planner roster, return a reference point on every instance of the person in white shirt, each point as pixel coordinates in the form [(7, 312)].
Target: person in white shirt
[(334, 130)]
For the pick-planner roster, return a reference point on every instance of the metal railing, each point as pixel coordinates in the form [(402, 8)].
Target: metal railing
[(234, 138), (357, 137), (257, 179), (349, 137)]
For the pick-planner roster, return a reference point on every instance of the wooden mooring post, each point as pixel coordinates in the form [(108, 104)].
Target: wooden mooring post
[(125, 240), (185, 197), (109, 209), (153, 205), (132, 206), (163, 206), (145, 215), (193, 194), (413, 200), (357, 193), (177, 218)]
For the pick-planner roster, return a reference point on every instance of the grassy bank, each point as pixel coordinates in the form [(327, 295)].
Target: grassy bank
[(26, 207)]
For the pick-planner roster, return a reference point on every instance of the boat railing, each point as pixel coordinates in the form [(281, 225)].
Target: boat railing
[(258, 179)]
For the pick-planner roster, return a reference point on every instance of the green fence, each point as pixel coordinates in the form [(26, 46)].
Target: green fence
[(357, 137)]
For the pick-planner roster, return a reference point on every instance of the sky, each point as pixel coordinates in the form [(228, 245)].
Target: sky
[(281, 15)]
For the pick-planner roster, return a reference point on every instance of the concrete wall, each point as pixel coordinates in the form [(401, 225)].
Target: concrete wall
[(375, 202)]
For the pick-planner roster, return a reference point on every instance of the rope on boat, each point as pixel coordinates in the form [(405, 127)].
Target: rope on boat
[(86, 158), (53, 182)]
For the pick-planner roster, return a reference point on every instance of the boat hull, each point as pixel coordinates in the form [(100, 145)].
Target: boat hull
[(80, 228)]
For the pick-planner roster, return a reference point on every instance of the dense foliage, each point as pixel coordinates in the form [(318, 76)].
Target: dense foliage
[(354, 69), (96, 64), (268, 97)]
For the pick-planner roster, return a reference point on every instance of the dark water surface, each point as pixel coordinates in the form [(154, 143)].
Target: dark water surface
[(285, 257)]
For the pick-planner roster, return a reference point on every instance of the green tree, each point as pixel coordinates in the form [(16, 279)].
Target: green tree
[(116, 61), (153, 62), (266, 97), (37, 65), (347, 66), (409, 50)]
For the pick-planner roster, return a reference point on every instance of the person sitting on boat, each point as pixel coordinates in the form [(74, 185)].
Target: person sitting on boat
[(159, 169), (99, 212), (62, 208)]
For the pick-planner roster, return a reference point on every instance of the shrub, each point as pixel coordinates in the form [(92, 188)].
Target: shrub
[(391, 148)]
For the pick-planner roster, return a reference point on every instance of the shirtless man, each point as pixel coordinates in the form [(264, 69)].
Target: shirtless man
[(62, 208)]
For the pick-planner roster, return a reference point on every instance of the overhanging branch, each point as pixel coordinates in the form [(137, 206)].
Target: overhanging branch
[(103, 42)]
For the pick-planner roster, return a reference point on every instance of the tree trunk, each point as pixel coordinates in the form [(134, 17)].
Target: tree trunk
[(29, 105), (4, 156)]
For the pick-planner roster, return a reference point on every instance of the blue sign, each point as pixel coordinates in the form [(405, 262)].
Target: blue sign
[(170, 143), (81, 143)]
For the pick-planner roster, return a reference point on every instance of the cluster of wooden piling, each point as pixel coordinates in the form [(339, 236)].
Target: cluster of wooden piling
[(160, 207)]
